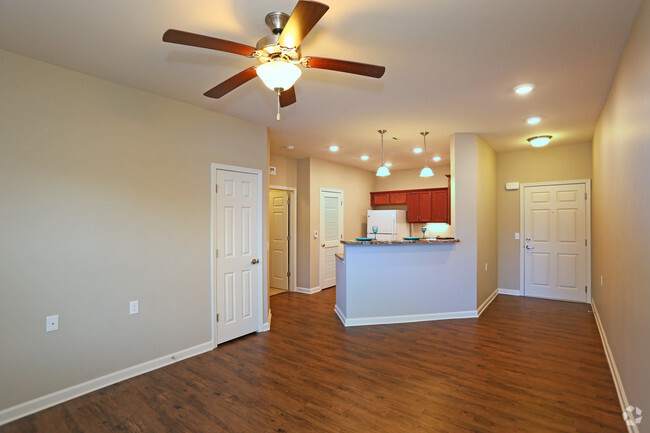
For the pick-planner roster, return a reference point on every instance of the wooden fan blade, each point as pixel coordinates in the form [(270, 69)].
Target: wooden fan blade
[(288, 97), (345, 66), (232, 83), (303, 18), (202, 41)]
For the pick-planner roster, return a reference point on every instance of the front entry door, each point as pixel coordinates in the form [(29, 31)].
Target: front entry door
[(237, 254), (555, 242), (331, 234), (279, 236)]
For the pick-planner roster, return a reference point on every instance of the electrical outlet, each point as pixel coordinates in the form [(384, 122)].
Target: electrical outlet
[(134, 307), (52, 323), (516, 236)]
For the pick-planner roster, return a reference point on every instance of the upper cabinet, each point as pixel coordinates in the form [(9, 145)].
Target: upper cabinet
[(422, 205)]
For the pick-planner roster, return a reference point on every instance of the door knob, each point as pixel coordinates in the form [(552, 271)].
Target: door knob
[(255, 261), (528, 247), (323, 245)]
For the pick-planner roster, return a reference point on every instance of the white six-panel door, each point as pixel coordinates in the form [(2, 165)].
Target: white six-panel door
[(237, 255), (555, 242), (331, 234)]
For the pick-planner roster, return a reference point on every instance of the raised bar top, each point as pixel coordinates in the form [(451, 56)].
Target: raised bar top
[(402, 242)]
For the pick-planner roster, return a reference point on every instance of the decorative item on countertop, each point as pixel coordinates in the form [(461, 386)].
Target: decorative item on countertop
[(364, 239), (375, 229), (424, 231)]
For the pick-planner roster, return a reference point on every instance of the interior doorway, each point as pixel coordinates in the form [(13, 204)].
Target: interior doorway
[(331, 234), (555, 241), (282, 248)]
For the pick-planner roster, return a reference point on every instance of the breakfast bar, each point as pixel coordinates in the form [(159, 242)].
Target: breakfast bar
[(382, 282)]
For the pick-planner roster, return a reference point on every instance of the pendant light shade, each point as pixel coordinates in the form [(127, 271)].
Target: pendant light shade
[(426, 171), (382, 170)]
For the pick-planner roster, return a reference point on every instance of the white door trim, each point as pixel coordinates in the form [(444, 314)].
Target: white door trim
[(522, 216), (293, 215), (320, 227), (213, 245)]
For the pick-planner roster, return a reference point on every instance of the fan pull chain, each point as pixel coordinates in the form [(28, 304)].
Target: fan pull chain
[(278, 116)]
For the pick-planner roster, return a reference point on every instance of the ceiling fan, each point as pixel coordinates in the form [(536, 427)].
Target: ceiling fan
[(278, 53)]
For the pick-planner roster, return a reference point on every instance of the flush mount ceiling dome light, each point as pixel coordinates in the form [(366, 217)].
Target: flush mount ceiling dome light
[(524, 89), (382, 170), (539, 140), (426, 171)]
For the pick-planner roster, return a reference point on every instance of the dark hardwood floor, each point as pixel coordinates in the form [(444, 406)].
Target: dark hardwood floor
[(526, 365)]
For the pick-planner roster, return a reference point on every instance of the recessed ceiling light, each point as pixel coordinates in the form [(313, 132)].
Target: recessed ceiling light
[(288, 147), (540, 140), (334, 148), (417, 150), (364, 157), (533, 120), (388, 164), (524, 89), (436, 158)]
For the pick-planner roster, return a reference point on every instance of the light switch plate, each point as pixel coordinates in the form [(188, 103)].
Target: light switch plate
[(134, 307), (511, 186), (516, 236), (52, 323)]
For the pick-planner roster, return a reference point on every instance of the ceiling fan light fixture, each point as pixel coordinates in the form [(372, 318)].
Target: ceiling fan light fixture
[(540, 140), (278, 74)]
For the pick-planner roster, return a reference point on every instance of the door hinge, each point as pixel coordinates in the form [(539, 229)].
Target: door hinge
[(288, 201), (217, 317), (216, 188), (288, 274), (585, 196), (585, 289), (216, 253), (585, 242), (288, 237)]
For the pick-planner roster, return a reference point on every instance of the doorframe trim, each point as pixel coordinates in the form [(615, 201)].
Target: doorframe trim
[(522, 186), (320, 227), (213, 244), (293, 215)]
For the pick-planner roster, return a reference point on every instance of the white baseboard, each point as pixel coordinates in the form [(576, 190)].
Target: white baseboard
[(23, 409), (387, 320), (510, 292), (487, 302), (307, 291), (618, 383)]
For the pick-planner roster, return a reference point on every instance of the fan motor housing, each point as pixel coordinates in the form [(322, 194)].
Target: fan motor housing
[(267, 46)]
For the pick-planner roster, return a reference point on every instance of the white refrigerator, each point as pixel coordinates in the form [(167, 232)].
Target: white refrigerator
[(392, 224)]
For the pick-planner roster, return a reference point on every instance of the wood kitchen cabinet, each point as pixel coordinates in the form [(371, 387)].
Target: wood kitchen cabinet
[(422, 205)]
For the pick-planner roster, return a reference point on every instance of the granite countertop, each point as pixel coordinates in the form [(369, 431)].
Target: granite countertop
[(340, 256), (403, 242)]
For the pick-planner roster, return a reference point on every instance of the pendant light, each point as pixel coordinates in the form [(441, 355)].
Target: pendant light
[(382, 170), (426, 171)]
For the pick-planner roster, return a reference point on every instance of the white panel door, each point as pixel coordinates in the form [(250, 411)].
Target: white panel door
[(331, 234), (237, 254), (279, 239), (555, 242)]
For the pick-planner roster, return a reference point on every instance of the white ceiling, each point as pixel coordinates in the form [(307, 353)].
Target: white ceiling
[(450, 65)]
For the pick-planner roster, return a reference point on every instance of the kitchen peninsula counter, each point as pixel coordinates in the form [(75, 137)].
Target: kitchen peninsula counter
[(383, 282)]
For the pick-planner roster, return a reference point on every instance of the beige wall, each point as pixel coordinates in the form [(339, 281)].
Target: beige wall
[(532, 165), (104, 198), (621, 216), (487, 242), (303, 271), (410, 179), (286, 171)]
